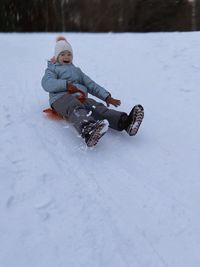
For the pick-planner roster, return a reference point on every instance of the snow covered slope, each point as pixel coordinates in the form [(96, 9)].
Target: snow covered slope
[(130, 201)]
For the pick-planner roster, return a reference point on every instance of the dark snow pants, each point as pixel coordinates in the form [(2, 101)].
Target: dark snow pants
[(90, 111)]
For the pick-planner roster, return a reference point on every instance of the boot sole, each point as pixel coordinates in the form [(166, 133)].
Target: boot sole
[(98, 132), (138, 115)]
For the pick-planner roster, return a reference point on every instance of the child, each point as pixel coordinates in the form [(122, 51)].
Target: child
[(68, 89)]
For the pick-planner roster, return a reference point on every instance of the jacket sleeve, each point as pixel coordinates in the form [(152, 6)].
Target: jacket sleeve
[(51, 84), (94, 88)]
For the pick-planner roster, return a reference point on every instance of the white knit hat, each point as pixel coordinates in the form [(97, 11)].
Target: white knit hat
[(62, 45)]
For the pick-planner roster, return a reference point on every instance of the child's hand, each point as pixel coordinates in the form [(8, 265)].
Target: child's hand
[(112, 101), (71, 88)]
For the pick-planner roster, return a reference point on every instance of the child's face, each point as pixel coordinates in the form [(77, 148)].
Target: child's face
[(65, 57)]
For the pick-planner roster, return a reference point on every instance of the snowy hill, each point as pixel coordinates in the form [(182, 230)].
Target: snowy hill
[(130, 201)]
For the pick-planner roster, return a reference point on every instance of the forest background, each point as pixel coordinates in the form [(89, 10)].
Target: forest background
[(99, 15)]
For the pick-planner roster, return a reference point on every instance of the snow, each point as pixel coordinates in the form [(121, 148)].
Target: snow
[(130, 201)]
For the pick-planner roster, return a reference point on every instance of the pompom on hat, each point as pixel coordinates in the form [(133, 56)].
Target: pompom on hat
[(62, 45)]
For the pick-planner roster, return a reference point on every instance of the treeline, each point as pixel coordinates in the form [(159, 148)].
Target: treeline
[(97, 15)]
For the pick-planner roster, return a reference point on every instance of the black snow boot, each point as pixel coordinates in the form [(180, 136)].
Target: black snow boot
[(134, 120), (93, 131)]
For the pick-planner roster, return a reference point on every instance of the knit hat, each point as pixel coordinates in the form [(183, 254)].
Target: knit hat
[(62, 45)]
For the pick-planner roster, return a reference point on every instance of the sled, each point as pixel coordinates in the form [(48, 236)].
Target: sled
[(52, 114)]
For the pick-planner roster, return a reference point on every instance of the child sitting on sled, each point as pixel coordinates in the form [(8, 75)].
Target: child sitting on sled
[(68, 89)]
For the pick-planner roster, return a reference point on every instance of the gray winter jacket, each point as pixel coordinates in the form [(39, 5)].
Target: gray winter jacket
[(58, 75)]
